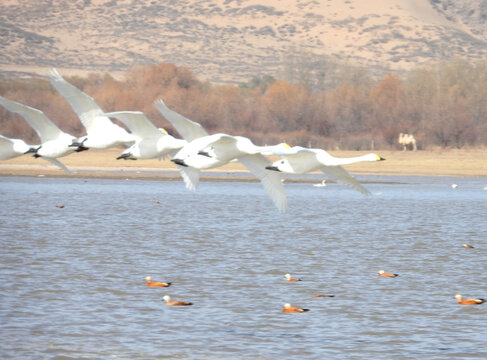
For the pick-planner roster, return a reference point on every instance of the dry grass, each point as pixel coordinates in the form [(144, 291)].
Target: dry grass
[(102, 163)]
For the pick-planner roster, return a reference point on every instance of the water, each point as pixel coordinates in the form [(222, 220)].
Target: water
[(72, 279)]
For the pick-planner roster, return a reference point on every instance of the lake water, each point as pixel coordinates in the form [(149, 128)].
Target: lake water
[(72, 279)]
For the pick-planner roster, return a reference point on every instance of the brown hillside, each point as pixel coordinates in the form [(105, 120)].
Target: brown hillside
[(234, 40)]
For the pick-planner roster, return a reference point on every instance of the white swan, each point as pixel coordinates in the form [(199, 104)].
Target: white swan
[(101, 132), (299, 160), (209, 151), (151, 142), (321, 184), (10, 148), (54, 142)]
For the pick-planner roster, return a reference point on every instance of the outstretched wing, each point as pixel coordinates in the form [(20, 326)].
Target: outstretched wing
[(83, 105), (342, 176), (43, 126), (191, 177), (271, 180), (187, 128), (139, 125)]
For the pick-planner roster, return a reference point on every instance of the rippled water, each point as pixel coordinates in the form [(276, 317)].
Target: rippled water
[(72, 279)]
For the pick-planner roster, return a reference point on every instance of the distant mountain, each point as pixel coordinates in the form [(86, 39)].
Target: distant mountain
[(235, 40)]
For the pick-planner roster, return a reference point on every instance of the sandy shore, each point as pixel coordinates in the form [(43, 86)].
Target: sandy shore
[(103, 164)]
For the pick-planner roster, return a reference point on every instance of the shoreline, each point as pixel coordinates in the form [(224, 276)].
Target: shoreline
[(103, 164)]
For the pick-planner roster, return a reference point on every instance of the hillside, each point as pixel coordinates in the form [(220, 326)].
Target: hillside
[(234, 40)]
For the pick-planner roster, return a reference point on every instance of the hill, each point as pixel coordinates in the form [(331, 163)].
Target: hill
[(234, 40)]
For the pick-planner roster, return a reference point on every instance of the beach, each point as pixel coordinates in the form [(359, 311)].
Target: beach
[(103, 164)]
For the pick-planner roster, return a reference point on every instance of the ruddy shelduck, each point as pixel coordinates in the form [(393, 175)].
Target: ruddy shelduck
[(467, 246), (292, 309), (168, 301), (289, 278), (468, 301), (386, 274), (322, 295), (151, 283)]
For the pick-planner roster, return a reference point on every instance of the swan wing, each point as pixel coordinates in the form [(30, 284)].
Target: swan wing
[(43, 126), (88, 111), (271, 180), (187, 128), (139, 125), (191, 177), (59, 164), (342, 176)]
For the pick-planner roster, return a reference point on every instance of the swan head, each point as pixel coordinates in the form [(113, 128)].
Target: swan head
[(164, 131), (282, 165), (373, 157)]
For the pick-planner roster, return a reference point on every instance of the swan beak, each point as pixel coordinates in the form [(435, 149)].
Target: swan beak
[(123, 156), (204, 153), (380, 158), (273, 168), (179, 162)]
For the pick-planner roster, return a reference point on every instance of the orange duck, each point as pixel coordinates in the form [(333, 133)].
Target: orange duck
[(292, 309), (168, 301), (386, 274), (289, 278), (151, 283), (468, 301)]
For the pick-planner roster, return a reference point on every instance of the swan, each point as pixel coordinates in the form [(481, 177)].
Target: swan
[(292, 309), (101, 132), (10, 148), (205, 151), (150, 142), (321, 184), (54, 142), (299, 160)]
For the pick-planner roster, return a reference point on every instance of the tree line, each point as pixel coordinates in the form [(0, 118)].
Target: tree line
[(442, 104)]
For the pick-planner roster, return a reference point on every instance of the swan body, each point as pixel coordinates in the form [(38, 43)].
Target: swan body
[(101, 132), (205, 151), (150, 142), (10, 148), (54, 142), (299, 160)]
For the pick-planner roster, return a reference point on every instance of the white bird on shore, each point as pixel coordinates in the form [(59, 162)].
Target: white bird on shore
[(151, 142), (54, 142), (299, 160), (321, 184), (10, 148), (101, 132), (205, 151)]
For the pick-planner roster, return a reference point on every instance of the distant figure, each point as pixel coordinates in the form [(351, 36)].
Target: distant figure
[(469, 301), (386, 274), (321, 184), (168, 301), (322, 295), (407, 140), (467, 246), (289, 278), (151, 283), (454, 186), (292, 309)]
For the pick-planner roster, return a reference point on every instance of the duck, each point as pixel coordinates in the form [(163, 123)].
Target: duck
[(101, 132), (204, 151), (322, 295), (467, 246), (293, 309), (386, 274), (300, 160), (168, 301), (151, 283), (468, 301), (290, 279)]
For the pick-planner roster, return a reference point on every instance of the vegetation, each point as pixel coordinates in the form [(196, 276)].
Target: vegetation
[(442, 104)]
